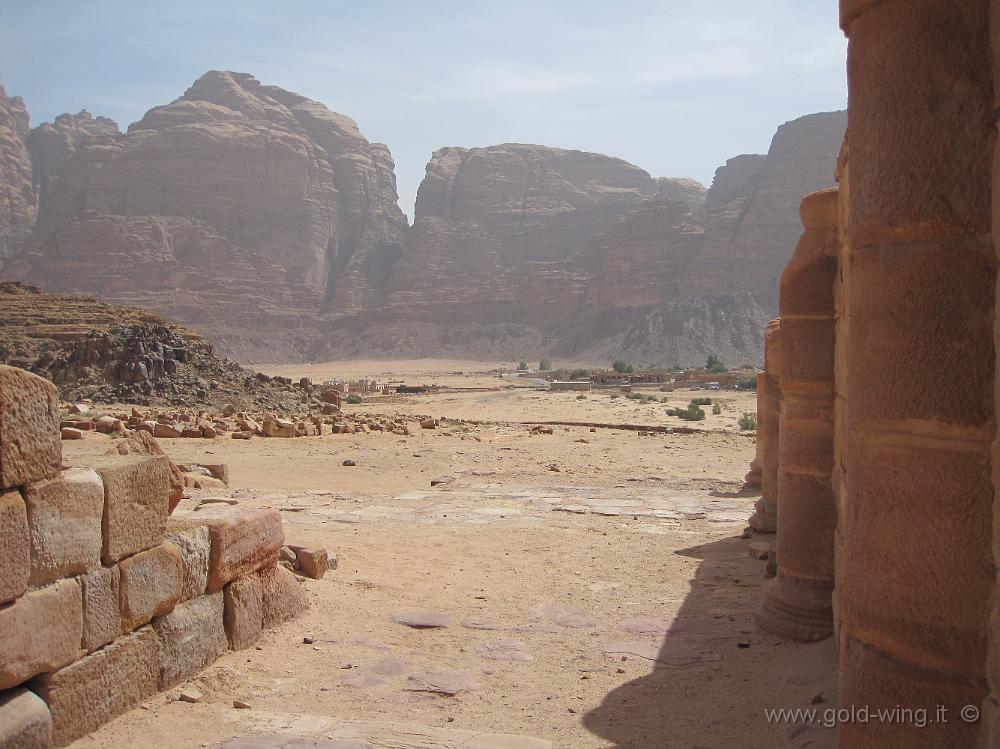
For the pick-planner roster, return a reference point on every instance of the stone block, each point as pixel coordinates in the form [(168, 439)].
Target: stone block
[(244, 614), (101, 686), (932, 492), (282, 597), (65, 516), (191, 540), (312, 562), (101, 620), (191, 637), (15, 546), (40, 632), (25, 721), (136, 495), (30, 448), (242, 541), (150, 585)]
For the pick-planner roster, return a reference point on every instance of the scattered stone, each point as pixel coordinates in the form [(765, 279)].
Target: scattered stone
[(390, 666), (71, 433), (190, 695), (311, 562), (565, 616), (482, 624), (504, 650), (428, 424), (442, 480), (670, 654), (441, 681), (362, 680), (241, 705), (758, 549), (349, 463), (644, 625), (422, 619)]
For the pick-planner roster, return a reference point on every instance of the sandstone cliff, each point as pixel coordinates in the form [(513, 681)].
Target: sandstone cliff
[(241, 208), (752, 221), (271, 224), (18, 202)]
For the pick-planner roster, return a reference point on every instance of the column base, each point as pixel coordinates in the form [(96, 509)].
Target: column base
[(765, 517), (799, 609)]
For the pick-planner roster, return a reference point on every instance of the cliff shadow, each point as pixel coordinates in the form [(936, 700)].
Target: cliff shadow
[(715, 673)]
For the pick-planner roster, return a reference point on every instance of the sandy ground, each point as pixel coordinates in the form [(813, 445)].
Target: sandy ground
[(633, 540)]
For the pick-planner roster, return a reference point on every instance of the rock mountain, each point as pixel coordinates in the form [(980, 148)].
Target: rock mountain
[(272, 225)]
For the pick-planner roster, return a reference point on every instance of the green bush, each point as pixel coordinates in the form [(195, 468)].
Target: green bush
[(354, 399), (622, 366), (578, 374), (692, 413), (522, 364), (749, 383), (703, 401), (716, 409), (714, 364), (748, 421), (545, 365)]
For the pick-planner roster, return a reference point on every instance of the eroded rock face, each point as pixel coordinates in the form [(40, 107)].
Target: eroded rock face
[(18, 202), (752, 222), (242, 208), (270, 224)]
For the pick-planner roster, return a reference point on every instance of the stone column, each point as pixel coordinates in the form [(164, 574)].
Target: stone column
[(990, 731), (917, 572), (765, 519), (797, 603)]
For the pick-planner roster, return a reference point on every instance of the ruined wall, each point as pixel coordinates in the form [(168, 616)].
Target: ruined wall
[(104, 597)]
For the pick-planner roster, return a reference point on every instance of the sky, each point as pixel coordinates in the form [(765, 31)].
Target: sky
[(673, 86)]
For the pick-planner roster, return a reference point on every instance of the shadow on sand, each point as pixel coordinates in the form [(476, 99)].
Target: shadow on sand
[(715, 673)]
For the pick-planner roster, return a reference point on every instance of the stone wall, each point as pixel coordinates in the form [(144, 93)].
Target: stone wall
[(104, 597)]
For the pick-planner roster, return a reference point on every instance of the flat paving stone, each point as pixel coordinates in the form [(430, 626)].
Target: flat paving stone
[(422, 619), (565, 616), (390, 666), (504, 650), (444, 681)]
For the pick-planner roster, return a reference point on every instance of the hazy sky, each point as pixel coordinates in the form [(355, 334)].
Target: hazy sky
[(676, 87)]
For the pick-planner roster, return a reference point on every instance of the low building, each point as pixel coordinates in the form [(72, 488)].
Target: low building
[(565, 385)]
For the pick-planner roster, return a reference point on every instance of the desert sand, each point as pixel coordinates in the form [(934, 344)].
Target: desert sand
[(597, 589)]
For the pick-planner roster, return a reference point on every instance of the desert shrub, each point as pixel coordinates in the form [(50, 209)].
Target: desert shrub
[(749, 383), (748, 421), (522, 365), (692, 413), (634, 396), (614, 395), (716, 409), (578, 374), (622, 366), (703, 401), (581, 397), (354, 399), (545, 365)]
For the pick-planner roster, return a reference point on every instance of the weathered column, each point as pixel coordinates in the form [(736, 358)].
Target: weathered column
[(990, 730), (916, 573), (797, 603), (765, 519)]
